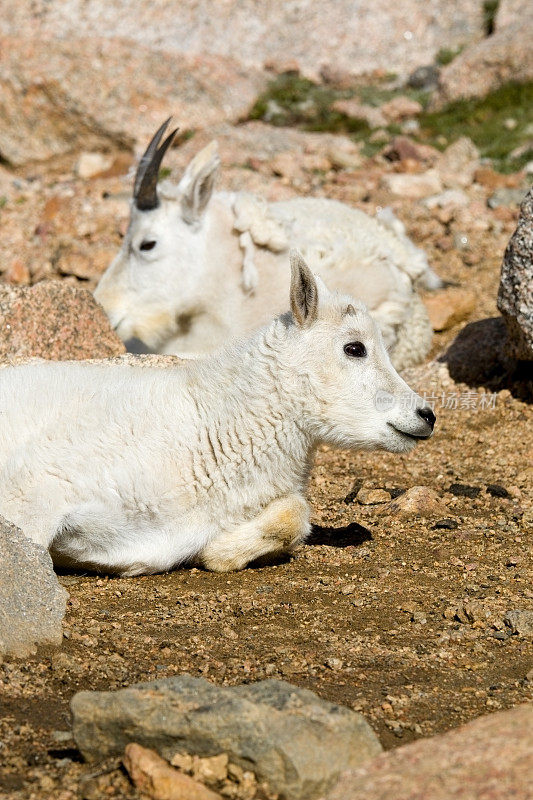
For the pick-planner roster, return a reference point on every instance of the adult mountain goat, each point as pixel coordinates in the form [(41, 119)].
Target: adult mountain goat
[(135, 470), (197, 268)]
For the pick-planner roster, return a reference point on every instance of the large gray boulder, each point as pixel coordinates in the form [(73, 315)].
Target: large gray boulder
[(32, 602), (490, 758), (515, 296), (287, 736)]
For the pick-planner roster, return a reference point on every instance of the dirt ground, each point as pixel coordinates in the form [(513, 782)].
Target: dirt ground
[(398, 618), (365, 614)]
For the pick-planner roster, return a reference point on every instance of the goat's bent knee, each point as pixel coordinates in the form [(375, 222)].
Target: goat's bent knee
[(282, 525), (287, 521)]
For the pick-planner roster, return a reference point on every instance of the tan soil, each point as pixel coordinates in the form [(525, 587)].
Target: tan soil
[(365, 614)]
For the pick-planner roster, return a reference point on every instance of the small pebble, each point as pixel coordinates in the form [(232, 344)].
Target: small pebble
[(370, 497), (62, 736)]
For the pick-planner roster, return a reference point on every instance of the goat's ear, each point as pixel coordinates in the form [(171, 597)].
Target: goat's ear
[(304, 291), (198, 182)]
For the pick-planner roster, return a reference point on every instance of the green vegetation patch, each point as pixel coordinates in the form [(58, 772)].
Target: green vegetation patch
[(291, 100), (501, 124), (376, 95), (446, 55), (489, 123)]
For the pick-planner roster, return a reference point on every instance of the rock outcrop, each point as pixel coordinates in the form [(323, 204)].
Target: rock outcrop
[(512, 11), (515, 296), (355, 38), (100, 94), (505, 56)]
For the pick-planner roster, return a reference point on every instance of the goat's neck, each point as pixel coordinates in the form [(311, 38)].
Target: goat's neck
[(252, 413), (222, 257)]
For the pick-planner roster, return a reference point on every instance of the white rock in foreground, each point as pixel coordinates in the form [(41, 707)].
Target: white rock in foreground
[(413, 186)]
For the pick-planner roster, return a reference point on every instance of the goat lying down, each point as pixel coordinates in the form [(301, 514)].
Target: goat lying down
[(197, 268), (136, 470)]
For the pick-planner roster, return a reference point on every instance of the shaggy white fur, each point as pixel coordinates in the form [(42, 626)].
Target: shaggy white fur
[(136, 470), (200, 269)]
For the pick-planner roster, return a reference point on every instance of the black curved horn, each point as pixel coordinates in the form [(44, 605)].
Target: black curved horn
[(145, 186)]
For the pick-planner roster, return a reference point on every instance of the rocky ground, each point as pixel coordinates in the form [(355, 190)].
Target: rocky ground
[(396, 614), (414, 608), (400, 618)]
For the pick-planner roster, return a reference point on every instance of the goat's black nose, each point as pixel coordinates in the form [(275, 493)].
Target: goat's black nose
[(427, 415)]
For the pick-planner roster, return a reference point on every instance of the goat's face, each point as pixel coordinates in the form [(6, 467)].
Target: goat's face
[(148, 292), (357, 399)]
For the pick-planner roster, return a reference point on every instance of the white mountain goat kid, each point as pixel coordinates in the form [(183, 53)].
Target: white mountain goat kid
[(197, 269), (136, 470)]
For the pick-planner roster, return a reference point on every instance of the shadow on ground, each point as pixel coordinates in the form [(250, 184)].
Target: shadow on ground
[(478, 357), (347, 536)]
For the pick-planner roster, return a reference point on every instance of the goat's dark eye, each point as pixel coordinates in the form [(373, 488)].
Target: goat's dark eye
[(355, 349), (147, 245)]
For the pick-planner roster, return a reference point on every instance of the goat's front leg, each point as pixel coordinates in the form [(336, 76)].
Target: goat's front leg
[(277, 530)]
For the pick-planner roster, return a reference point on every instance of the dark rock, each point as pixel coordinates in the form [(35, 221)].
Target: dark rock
[(497, 491), (352, 494), (426, 78), (287, 736), (447, 523), (500, 635), (515, 295), (32, 603), (394, 493), (464, 490)]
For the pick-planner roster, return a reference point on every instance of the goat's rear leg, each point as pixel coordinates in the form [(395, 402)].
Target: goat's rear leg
[(277, 530)]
